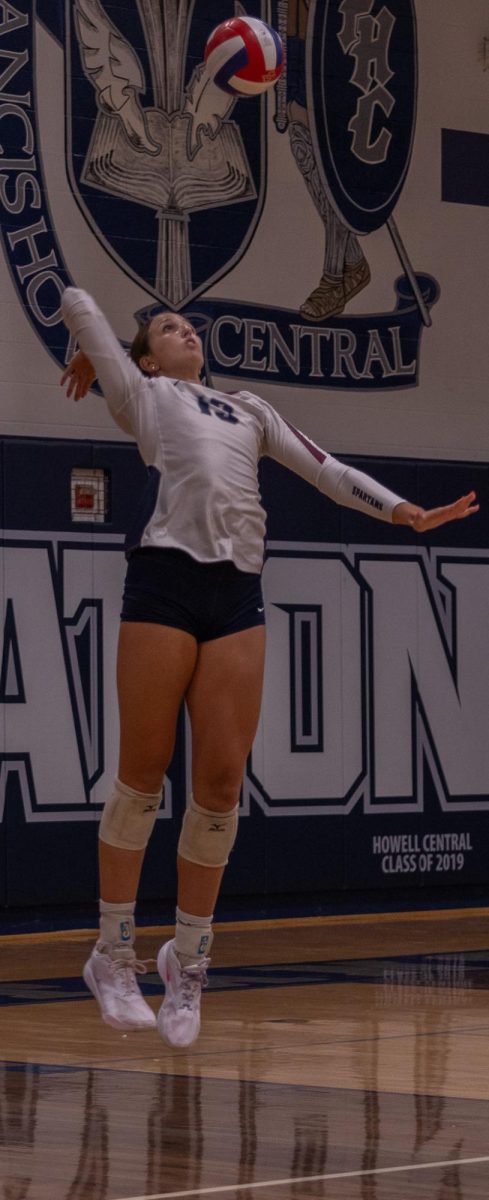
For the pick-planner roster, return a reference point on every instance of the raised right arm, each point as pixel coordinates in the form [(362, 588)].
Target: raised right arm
[(120, 379)]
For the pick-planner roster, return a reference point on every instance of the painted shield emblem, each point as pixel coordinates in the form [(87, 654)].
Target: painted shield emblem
[(155, 149), (362, 83)]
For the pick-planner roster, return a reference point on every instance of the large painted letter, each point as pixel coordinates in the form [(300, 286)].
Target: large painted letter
[(308, 754), (430, 686)]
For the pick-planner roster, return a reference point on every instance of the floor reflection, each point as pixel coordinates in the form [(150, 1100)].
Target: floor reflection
[(91, 1135), (308, 1069)]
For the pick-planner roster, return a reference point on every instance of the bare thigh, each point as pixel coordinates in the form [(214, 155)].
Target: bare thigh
[(155, 664), (223, 701)]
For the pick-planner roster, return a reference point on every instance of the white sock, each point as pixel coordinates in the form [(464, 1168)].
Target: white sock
[(193, 937), (117, 929)]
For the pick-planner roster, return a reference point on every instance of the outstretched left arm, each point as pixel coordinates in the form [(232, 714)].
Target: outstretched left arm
[(421, 519), (350, 487)]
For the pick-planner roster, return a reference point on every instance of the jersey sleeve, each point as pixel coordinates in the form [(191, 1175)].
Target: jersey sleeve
[(123, 385), (343, 484)]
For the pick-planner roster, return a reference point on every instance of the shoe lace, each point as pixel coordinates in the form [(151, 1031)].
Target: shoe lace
[(192, 981), (125, 971)]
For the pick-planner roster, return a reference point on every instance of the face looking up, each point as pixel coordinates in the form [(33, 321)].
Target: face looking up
[(174, 348)]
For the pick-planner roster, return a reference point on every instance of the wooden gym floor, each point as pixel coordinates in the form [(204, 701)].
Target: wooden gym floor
[(340, 1058)]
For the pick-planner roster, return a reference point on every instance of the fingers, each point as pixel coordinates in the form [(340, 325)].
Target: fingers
[(464, 507), (68, 378), (77, 385), (463, 504)]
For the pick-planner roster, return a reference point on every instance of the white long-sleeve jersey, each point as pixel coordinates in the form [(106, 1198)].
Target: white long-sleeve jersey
[(202, 448)]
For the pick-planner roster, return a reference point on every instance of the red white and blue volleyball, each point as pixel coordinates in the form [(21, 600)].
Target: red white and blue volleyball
[(244, 56)]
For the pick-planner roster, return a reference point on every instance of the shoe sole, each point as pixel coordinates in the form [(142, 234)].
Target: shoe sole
[(114, 1023)]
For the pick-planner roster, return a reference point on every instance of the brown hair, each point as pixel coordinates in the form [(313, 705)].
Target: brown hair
[(140, 345), (140, 342)]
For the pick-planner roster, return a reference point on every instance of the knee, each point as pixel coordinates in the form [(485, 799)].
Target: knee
[(144, 770), (128, 817), (207, 837), (145, 779), (220, 794)]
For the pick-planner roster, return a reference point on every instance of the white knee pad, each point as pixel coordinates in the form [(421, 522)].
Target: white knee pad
[(128, 817), (206, 837)]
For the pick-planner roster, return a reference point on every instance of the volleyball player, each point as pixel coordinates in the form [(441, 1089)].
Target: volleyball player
[(192, 628)]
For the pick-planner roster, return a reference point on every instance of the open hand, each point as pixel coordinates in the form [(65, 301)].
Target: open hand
[(79, 376), (421, 519)]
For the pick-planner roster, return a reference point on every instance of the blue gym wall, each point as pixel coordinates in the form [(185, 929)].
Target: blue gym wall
[(371, 763)]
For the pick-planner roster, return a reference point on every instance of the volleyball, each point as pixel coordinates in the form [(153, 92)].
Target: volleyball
[(244, 56)]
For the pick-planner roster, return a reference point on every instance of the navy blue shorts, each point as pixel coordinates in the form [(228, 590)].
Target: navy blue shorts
[(208, 600)]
